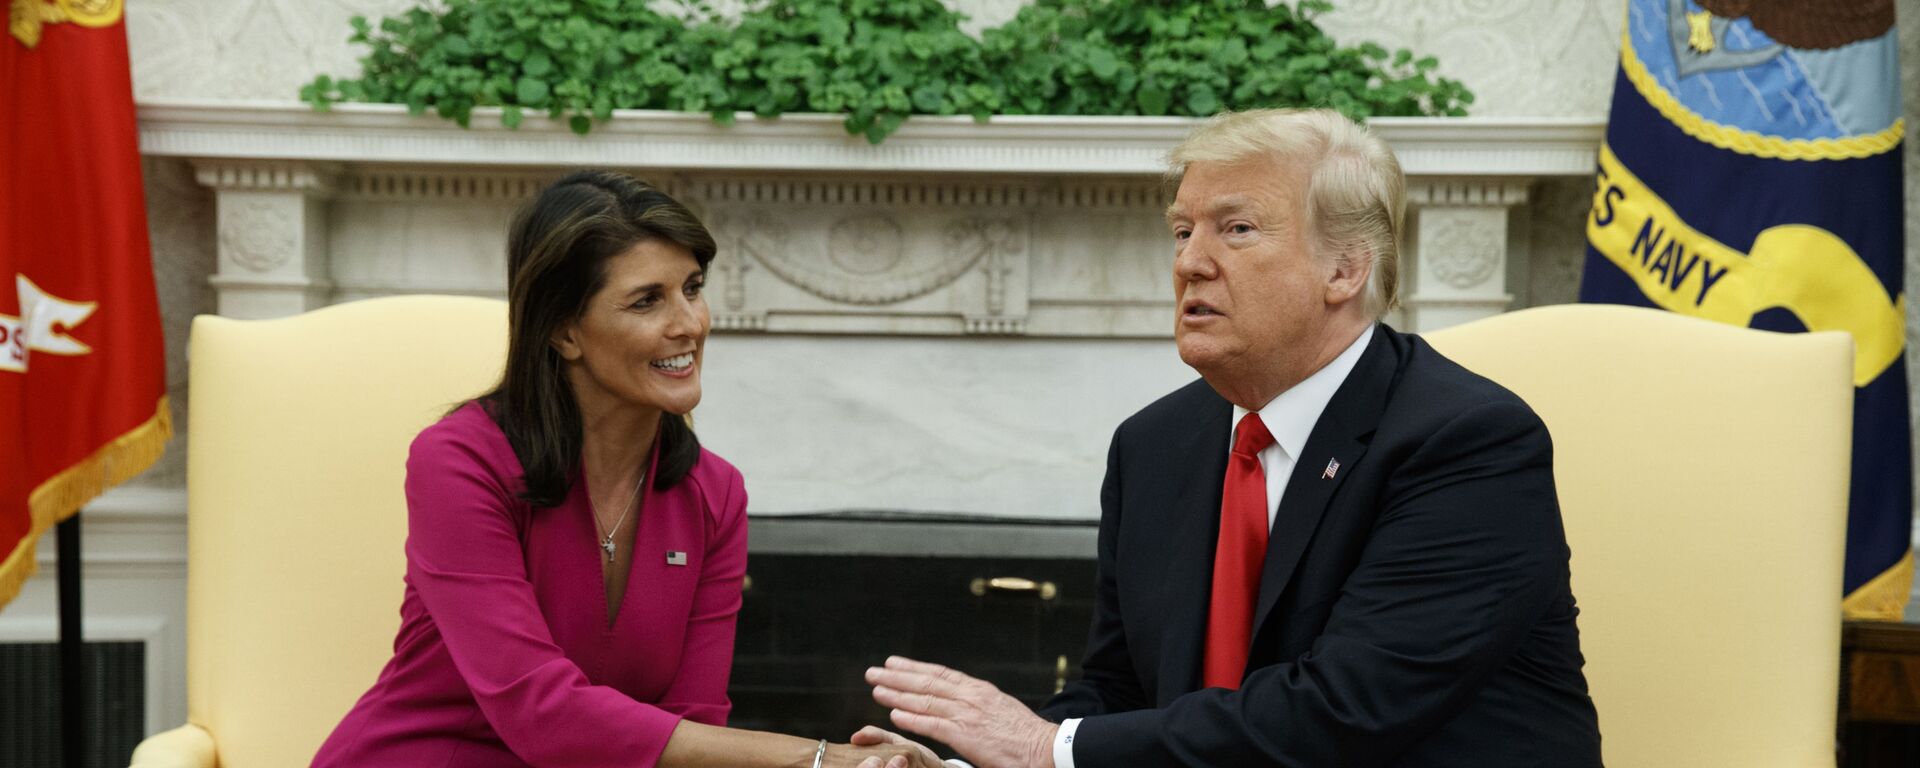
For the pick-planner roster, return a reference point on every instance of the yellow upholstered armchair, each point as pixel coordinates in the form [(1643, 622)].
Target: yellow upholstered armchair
[(296, 518), (1703, 477)]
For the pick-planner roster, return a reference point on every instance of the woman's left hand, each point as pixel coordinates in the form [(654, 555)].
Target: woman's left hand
[(875, 736)]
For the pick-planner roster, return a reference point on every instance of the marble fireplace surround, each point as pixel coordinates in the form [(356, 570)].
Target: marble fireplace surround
[(954, 319)]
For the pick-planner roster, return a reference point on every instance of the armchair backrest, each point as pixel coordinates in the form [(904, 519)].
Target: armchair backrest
[(1703, 474), (296, 518)]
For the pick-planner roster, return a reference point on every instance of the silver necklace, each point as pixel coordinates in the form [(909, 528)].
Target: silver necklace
[(606, 542)]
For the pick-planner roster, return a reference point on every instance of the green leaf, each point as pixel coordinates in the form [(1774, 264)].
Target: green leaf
[(1153, 100), (537, 65), (930, 97), (1202, 101), (831, 26), (580, 124), (511, 117), (884, 126), (531, 92), (1103, 64), (1232, 53)]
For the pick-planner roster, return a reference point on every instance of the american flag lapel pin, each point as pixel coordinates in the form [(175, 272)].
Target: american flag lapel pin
[(676, 558), (1333, 465)]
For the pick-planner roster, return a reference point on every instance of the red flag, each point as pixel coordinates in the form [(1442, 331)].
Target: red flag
[(82, 370)]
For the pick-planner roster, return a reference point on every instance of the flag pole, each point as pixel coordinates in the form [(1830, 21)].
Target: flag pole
[(73, 671)]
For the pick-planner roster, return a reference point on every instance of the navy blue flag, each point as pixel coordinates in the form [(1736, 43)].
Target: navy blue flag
[(1751, 175)]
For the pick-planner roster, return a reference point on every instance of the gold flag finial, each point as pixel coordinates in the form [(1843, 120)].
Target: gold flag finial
[(27, 19)]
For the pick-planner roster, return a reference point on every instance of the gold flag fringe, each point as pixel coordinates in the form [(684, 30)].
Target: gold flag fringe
[(64, 493), (1884, 598)]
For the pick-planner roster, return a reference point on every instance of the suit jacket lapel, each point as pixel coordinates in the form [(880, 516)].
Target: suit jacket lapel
[(1199, 465), (1339, 436)]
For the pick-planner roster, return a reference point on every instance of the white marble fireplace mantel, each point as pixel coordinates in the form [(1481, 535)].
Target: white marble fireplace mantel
[(1017, 226)]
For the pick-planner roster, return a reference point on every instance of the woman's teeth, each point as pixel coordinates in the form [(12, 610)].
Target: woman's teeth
[(676, 363)]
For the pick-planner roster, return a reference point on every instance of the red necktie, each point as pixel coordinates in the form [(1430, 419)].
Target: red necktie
[(1238, 557)]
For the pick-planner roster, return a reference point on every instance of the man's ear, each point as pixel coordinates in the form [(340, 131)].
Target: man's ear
[(564, 341), (1348, 279)]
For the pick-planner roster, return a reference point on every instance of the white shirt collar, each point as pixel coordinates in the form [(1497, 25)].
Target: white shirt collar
[(1290, 415)]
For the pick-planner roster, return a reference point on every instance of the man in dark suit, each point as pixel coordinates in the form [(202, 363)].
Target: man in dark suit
[(1337, 549)]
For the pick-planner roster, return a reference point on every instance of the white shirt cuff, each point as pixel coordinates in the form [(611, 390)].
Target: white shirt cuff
[(958, 763), (1063, 743)]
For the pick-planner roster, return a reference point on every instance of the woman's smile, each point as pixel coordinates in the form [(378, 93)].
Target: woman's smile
[(679, 366)]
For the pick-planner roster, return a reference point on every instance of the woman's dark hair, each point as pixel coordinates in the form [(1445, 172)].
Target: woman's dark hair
[(557, 250)]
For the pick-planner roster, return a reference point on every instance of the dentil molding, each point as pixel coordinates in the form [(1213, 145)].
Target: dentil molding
[(307, 177)]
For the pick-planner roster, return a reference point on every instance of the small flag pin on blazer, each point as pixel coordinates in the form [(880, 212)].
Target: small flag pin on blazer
[(1333, 465), (676, 558)]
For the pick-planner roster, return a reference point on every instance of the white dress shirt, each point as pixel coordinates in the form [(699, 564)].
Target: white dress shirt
[(1290, 417)]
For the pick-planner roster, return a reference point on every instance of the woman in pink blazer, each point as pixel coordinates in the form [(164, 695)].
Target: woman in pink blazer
[(574, 557)]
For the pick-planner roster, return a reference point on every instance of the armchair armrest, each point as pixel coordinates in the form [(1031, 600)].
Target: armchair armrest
[(188, 746)]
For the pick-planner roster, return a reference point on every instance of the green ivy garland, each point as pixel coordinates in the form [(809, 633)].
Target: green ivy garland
[(877, 61)]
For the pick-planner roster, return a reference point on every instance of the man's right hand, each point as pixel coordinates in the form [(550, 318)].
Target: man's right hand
[(988, 727)]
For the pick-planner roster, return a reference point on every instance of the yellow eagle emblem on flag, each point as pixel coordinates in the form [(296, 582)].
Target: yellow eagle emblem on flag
[(27, 18)]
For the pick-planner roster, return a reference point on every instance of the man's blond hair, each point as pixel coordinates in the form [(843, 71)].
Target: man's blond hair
[(1356, 193)]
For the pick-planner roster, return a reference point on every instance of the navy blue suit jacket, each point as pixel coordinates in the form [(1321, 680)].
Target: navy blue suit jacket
[(1414, 609)]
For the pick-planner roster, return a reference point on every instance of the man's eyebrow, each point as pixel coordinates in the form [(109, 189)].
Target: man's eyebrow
[(1224, 205), (1232, 204)]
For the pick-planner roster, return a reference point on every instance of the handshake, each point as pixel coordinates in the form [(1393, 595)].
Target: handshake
[(987, 727)]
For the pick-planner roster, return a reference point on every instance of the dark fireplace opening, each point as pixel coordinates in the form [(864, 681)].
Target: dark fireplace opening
[(812, 624)]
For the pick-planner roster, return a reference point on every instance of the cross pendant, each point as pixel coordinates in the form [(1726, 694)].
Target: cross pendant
[(607, 544)]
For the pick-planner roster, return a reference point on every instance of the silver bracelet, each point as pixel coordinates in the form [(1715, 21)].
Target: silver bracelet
[(820, 754)]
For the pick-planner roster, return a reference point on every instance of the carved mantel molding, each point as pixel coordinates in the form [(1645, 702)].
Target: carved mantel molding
[(1039, 226), (272, 234), (1458, 246), (383, 134)]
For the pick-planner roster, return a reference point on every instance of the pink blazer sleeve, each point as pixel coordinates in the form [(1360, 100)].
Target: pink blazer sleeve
[(464, 559), (699, 691)]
